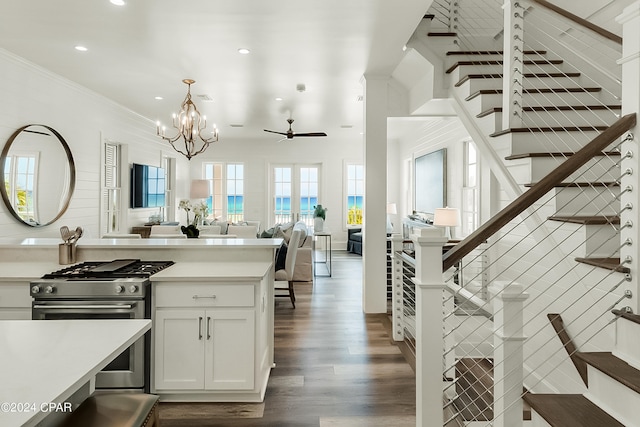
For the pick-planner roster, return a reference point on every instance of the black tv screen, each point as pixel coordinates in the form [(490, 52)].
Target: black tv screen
[(147, 186)]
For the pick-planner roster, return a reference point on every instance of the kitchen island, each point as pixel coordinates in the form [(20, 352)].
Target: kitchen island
[(212, 310), (46, 366)]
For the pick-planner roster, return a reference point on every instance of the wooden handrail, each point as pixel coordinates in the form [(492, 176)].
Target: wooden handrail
[(575, 18), (546, 184)]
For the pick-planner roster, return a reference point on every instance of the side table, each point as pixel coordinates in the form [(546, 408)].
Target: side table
[(326, 236)]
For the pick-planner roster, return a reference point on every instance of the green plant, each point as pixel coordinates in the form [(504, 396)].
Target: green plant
[(319, 212)]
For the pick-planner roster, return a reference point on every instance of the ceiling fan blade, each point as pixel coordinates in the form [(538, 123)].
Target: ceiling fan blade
[(273, 131), (310, 134)]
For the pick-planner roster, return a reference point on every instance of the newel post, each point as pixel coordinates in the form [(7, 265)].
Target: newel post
[(508, 353), (429, 326), (397, 285)]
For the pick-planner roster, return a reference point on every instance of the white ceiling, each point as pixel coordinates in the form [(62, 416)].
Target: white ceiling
[(145, 48)]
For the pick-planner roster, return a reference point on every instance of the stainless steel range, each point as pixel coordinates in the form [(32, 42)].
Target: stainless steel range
[(103, 290)]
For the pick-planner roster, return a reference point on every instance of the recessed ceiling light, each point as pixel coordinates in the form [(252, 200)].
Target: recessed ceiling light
[(159, 98), (404, 48), (117, 2), (243, 51), (278, 99), (81, 48)]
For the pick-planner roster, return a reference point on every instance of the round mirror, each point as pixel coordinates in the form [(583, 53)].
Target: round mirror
[(38, 175)]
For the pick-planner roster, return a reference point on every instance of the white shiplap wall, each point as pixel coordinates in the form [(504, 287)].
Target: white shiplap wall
[(30, 94)]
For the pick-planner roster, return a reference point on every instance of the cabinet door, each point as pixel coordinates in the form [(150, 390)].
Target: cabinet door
[(15, 301), (230, 350), (179, 349)]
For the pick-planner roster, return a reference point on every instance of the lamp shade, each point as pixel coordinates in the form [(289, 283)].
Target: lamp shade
[(392, 209), (446, 217), (199, 189)]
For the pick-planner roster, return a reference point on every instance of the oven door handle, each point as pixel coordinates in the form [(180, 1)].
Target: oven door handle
[(85, 307)]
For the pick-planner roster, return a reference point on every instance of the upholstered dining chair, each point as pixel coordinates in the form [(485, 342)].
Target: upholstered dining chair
[(122, 236), (283, 286), (243, 231), (208, 230), (164, 230)]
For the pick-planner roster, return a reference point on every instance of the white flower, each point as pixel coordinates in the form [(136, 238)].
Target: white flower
[(201, 209), (185, 204)]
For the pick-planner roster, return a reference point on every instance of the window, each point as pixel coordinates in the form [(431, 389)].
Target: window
[(295, 192), (111, 189), (227, 190), (470, 201), (355, 194), (20, 177)]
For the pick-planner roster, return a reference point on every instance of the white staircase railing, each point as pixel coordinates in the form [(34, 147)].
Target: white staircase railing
[(551, 110)]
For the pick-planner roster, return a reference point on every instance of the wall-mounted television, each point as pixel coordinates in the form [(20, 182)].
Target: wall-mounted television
[(430, 184), (147, 186)]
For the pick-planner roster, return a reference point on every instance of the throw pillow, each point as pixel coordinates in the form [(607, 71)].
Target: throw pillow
[(281, 257), (279, 234)]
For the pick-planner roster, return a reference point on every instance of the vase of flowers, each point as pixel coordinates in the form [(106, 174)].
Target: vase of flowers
[(200, 211), (319, 216)]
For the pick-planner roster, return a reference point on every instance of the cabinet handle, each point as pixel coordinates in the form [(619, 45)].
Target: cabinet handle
[(204, 296), (208, 327), (200, 327)]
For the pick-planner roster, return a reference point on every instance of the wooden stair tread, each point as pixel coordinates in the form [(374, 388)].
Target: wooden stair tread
[(491, 52), (499, 62), (554, 108), (607, 263), (570, 410), (614, 367), (581, 184), (534, 91), (568, 345), (635, 318), (587, 220), (554, 154), (442, 34), (550, 129), (526, 75)]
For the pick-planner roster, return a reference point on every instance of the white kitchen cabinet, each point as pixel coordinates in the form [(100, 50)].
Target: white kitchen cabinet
[(15, 301), (210, 339), (210, 349)]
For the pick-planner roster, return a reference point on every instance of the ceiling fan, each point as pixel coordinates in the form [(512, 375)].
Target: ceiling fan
[(290, 134)]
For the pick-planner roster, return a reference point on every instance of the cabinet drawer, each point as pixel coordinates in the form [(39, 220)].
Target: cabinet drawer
[(15, 296), (204, 295)]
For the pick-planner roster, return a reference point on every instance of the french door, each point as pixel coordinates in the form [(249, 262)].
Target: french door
[(295, 189)]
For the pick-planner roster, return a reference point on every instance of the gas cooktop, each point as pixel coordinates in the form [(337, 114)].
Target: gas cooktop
[(120, 268)]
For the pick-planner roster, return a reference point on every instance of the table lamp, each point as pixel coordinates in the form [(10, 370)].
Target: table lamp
[(447, 218), (199, 189), (391, 210)]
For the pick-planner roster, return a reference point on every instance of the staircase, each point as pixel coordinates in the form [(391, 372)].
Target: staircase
[(613, 386), (561, 112)]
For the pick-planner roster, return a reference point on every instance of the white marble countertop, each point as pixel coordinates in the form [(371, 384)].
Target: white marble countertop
[(199, 271), (46, 361), (26, 271), (88, 243)]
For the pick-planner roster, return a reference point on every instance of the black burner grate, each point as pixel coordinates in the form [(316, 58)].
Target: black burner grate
[(115, 269)]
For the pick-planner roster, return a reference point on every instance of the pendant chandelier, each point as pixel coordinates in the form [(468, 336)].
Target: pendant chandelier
[(190, 126)]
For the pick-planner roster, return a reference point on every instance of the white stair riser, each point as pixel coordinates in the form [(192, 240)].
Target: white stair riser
[(453, 59), (493, 122), (476, 84), (613, 397), (627, 343), (586, 201), (543, 99), (599, 241), (464, 70), (545, 142), (537, 420), (533, 169)]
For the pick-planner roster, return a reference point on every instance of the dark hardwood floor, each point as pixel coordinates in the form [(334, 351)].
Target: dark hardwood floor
[(335, 366)]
